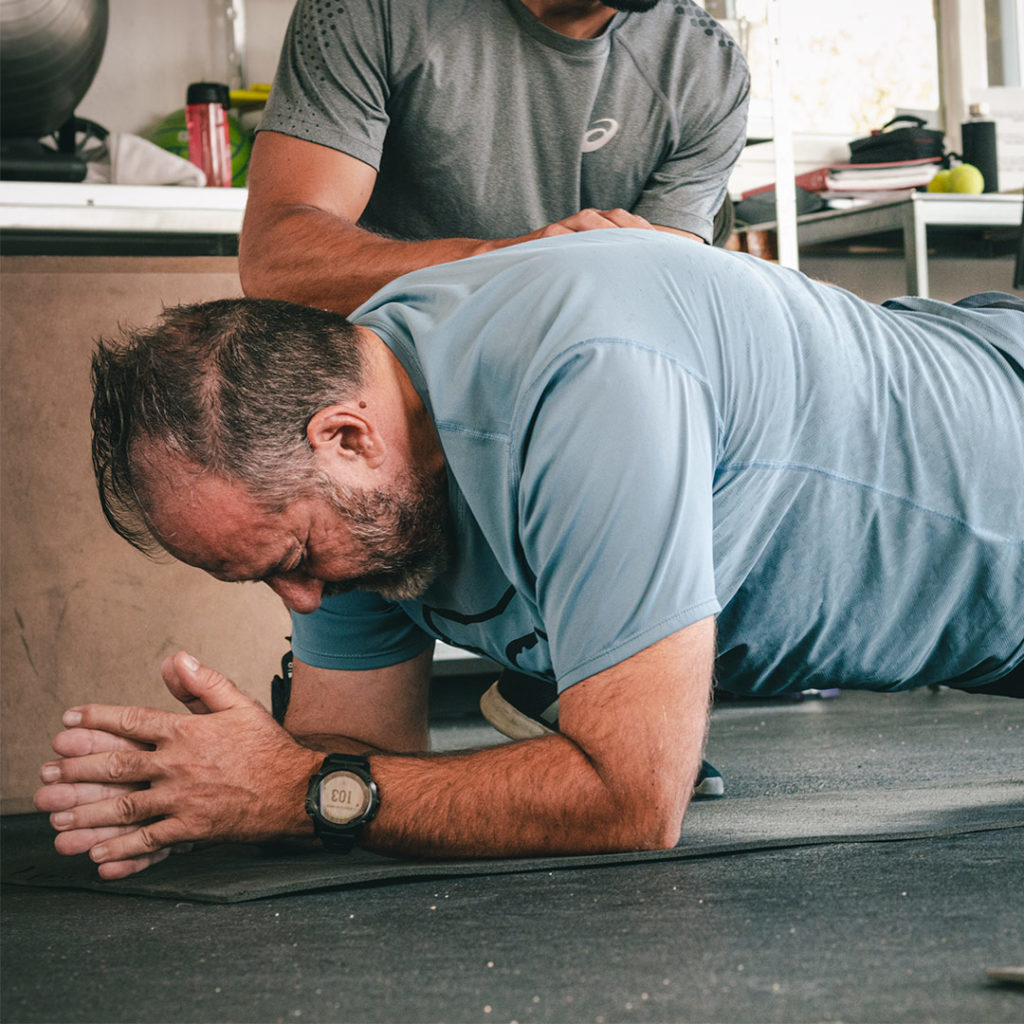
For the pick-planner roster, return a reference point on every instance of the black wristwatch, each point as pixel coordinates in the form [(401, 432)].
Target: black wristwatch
[(342, 797)]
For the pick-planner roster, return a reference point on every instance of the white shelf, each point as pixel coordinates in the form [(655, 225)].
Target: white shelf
[(143, 209)]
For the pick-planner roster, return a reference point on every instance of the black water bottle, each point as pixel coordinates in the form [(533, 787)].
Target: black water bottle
[(978, 138)]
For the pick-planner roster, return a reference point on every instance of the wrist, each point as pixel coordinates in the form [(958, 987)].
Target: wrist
[(295, 820)]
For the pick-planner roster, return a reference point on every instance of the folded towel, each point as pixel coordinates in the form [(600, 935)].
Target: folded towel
[(132, 160)]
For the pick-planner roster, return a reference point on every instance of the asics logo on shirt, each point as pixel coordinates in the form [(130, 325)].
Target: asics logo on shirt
[(598, 134)]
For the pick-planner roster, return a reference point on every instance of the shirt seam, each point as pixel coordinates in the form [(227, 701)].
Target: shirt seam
[(797, 467), (544, 375)]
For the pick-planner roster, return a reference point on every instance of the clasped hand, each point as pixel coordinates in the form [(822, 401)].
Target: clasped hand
[(132, 784)]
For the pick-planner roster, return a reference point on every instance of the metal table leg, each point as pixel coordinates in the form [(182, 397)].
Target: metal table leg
[(915, 249)]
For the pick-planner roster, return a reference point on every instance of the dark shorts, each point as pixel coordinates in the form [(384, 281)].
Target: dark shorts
[(992, 300), (1013, 684), (1009, 686)]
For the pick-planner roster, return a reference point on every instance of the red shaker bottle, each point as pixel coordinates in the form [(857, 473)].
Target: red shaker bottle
[(209, 138)]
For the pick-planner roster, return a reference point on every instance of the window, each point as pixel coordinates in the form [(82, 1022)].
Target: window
[(850, 67)]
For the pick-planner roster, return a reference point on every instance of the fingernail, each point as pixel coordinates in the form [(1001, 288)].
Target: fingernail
[(72, 718), (62, 819), (98, 852), (191, 663), (50, 773)]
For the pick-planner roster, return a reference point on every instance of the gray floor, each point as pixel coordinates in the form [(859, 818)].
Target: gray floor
[(886, 931)]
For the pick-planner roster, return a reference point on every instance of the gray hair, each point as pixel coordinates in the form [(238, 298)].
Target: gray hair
[(229, 386)]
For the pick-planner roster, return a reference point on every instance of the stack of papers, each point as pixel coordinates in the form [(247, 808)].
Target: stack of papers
[(864, 183), (904, 174)]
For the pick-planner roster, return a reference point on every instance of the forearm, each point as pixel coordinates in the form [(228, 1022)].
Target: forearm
[(313, 257), (329, 743), (618, 776), (530, 798), (307, 255), (368, 710)]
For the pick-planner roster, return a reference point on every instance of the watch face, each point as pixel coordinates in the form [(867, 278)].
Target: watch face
[(344, 796)]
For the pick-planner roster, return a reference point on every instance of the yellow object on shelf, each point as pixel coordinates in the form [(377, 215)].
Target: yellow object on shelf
[(255, 96), (964, 178)]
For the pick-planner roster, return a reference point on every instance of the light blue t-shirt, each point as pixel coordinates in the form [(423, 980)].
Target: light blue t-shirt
[(641, 432)]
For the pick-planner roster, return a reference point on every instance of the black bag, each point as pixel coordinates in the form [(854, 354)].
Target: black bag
[(891, 144)]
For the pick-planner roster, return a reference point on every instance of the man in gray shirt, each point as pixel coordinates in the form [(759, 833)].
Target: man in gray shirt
[(405, 133)]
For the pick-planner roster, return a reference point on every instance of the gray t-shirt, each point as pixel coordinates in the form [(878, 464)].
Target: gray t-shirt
[(483, 123), (641, 432)]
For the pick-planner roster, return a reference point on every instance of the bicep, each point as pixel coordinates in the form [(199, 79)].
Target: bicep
[(382, 708)]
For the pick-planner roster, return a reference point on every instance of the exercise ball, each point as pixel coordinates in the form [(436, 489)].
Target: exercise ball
[(50, 51)]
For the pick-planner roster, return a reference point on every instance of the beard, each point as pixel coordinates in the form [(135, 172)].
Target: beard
[(632, 6), (405, 533)]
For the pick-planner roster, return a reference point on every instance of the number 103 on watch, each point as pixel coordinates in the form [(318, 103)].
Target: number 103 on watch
[(343, 796)]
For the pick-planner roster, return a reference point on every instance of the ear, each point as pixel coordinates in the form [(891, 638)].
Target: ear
[(338, 431)]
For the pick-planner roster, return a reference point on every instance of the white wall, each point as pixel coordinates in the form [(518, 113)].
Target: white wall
[(879, 276), (154, 49)]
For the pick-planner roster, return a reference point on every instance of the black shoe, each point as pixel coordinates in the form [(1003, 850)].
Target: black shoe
[(523, 708)]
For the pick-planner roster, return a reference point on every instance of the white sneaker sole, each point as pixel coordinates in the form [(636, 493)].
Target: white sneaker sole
[(509, 720), (709, 788)]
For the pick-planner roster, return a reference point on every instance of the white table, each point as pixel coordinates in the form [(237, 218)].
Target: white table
[(914, 216)]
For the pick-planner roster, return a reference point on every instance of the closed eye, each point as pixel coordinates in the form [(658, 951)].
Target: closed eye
[(288, 566)]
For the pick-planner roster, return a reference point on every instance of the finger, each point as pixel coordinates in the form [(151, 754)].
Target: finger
[(82, 840), (215, 691), (624, 219), (128, 808), (76, 742), (142, 841), (112, 870), (60, 796), (146, 726), (588, 220), (554, 229), (176, 685), (118, 766)]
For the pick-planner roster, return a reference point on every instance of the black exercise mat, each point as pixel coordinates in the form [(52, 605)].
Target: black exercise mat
[(235, 873)]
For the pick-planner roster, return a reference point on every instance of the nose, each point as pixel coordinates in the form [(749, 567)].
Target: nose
[(301, 595)]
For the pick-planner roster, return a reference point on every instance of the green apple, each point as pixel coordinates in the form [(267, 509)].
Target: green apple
[(966, 178), (940, 183)]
